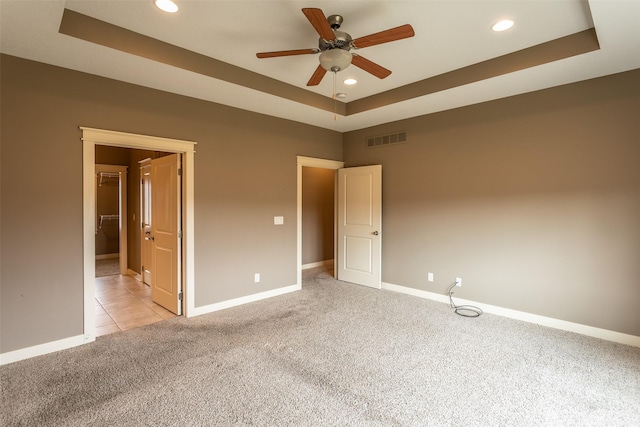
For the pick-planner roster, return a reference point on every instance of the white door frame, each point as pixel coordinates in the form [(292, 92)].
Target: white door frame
[(313, 163), (92, 137), (122, 210)]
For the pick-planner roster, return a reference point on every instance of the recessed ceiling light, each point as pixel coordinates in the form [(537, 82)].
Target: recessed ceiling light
[(341, 95), (350, 81), (166, 5), (505, 24)]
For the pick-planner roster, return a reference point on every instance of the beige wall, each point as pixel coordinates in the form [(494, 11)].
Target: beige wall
[(533, 200), (245, 174), (318, 188), (112, 155)]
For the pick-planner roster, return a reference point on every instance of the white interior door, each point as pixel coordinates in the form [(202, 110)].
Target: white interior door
[(165, 232), (359, 225)]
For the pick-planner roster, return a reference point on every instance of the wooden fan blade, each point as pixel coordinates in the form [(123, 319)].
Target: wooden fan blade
[(398, 33), (286, 53), (317, 76), (370, 67), (319, 22)]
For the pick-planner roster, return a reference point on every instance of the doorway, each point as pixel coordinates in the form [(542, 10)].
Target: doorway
[(318, 212), (358, 219), (95, 137), (122, 302), (320, 164), (111, 225)]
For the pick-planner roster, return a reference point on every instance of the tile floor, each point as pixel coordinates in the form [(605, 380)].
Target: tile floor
[(122, 303)]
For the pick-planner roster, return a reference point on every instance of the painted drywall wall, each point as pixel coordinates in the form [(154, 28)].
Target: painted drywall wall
[(533, 200), (318, 188), (245, 174), (112, 156)]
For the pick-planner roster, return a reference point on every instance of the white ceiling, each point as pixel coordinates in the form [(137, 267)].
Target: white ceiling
[(450, 35)]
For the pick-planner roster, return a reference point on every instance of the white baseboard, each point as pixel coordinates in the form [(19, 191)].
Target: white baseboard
[(326, 262), (135, 275), (550, 322), (197, 311), (107, 256), (39, 350), (63, 344)]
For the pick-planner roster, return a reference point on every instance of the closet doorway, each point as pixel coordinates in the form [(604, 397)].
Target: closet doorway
[(111, 225), (331, 166)]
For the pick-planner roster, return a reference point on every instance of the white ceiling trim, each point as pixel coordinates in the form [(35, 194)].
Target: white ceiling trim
[(29, 29)]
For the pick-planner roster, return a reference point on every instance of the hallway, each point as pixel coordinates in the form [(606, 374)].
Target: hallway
[(123, 303)]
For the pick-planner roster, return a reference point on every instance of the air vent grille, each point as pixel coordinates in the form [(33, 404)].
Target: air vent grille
[(386, 139)]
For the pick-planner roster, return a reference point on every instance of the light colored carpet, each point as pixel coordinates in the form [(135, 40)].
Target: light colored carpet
[(333, 354)]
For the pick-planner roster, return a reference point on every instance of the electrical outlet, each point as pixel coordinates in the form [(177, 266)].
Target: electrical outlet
[(256, 277), (458, 281), (430, 277)]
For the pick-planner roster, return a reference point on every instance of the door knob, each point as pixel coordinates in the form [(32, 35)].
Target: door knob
[(375, 233)]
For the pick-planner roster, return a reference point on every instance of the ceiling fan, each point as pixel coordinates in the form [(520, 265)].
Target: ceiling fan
[(334, 46)]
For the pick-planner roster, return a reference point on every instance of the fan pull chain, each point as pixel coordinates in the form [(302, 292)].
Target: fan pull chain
[(335, 100)]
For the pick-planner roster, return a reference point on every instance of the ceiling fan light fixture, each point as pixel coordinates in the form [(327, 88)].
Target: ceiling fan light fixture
[(503, 25), (166, 5), (335, 60)]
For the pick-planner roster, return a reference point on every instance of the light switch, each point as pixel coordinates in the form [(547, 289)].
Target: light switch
[(278, 220)]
